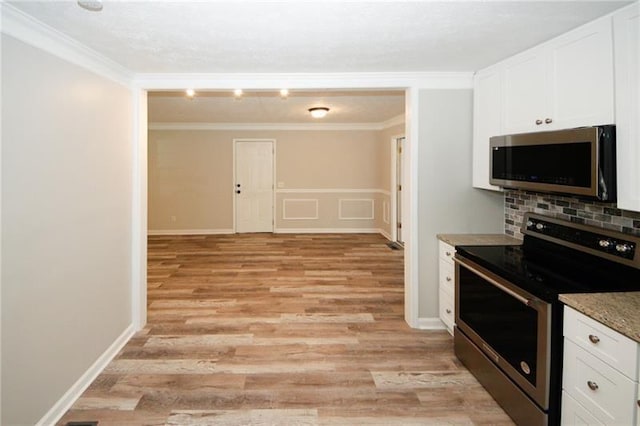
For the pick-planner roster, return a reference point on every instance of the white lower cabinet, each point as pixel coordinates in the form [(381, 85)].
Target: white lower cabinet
[(575, 414), (596, 388), (446, 293)]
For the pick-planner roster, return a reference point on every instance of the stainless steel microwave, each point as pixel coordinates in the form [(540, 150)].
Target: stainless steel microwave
[(579, 162)]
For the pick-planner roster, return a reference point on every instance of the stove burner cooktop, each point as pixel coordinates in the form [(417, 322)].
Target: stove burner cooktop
[(561, 257), (546, 275)]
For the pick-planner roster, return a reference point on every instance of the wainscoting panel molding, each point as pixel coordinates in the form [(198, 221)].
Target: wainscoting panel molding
[(355, 208), (300, 209), (385, 212)]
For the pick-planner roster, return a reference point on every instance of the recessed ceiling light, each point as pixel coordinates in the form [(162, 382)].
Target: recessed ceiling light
[(92, 5), (237, 93), (190, 93), (318, 112), (284, 93)]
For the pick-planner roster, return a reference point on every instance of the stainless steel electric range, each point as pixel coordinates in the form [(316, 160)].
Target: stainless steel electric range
[(508, 317)]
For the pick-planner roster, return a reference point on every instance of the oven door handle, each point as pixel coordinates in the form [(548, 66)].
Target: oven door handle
[(495, 283)]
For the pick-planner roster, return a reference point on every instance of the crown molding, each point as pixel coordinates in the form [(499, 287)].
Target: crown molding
[(29, 30), (349, 80), (394, 121), (277, 126)]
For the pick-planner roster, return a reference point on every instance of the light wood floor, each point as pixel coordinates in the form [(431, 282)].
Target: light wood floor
[(282, 329)]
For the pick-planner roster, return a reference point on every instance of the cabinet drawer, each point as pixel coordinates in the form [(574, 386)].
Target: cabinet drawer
[(447, 271), (604, 392), (446, 252), (617, 350), (447, 314), (575, 414)]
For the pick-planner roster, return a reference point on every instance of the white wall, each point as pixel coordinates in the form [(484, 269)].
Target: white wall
[(446, 201), (66, 225)]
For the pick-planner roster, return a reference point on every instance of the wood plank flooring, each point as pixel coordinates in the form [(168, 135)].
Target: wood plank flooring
[(261, 329)]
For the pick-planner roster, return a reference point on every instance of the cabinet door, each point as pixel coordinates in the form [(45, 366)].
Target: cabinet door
[(582, 90), (575, 414), (487, 122), (626, 25), (526, 99)]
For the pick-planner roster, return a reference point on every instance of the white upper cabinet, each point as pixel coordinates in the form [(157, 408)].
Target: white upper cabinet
[(626, 24), (526, 92), (582, 89), (565, 83), (487, 122)]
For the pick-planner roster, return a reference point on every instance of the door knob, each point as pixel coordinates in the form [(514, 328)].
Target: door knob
[(238, 191), (237, 185), (538, 122), (548, 121)]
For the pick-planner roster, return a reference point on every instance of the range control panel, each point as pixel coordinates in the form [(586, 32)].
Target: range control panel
[(612, 243)]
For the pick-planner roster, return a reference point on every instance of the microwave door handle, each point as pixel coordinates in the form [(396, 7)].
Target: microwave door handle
[(510, 292)]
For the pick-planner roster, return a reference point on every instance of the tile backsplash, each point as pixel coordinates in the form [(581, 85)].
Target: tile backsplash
[(593, 213)]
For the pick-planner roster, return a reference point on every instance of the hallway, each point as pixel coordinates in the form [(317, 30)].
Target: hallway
[(282, 329)]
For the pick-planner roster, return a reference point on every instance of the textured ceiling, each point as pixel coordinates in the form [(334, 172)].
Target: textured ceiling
[(268, 107), (319, 36)]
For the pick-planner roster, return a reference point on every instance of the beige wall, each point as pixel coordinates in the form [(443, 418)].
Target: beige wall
[(66, 225), (191, 179)]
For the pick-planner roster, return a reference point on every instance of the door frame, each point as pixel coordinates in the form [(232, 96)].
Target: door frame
[(273, 172), (411, 83), (393, 201)]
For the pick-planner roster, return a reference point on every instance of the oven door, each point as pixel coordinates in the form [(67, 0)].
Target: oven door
[(509, 325)]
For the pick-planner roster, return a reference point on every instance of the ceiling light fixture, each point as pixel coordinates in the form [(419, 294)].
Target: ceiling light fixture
[(92, 5), (318, 112), (190, 93), (237, 93), (284, 93)]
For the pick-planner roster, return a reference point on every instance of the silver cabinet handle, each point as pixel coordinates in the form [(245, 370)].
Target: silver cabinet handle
[(448, 279), (592, 385), (594, 339), (448, 311), (538, 122), (548, 120)]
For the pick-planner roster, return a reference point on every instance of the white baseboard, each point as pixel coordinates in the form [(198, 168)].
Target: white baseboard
[(60, 408), (431, 324), (189, 231), (327, 231), (385, 234)]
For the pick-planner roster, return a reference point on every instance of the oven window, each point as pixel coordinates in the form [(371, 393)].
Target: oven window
[(504, 323)]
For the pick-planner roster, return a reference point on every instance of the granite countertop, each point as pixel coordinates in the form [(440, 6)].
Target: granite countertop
[(619, 311), (479, 239)]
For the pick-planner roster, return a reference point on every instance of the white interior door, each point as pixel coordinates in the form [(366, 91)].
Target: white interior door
[(254, 186)]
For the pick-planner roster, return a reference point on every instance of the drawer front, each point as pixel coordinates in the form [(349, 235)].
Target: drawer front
[(446, 251), (447, 271), (575, 414), (603, 391), (617, 350), (447, 313)]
